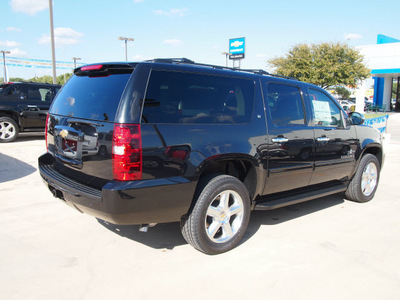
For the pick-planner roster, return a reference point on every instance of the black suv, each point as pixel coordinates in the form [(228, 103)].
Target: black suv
[(171, 140), (23, 107)]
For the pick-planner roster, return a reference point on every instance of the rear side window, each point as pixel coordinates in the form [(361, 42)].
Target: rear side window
[(94, 98), (179, 97), (285, 104)]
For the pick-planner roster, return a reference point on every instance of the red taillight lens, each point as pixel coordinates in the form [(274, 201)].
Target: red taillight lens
[(127, 152), (91, 67), (46, 130)]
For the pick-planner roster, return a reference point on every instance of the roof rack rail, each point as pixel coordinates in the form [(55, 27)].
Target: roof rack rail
[(184, 60)]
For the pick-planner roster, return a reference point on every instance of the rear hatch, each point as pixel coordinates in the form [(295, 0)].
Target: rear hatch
[(81, 119)]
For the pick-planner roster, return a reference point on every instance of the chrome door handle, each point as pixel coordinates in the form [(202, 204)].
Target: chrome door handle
[(280, 140), (323, 139), (33, 108)]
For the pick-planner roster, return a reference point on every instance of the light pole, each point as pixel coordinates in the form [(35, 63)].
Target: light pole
[(4, 60), (53, 51), (126, 45), (226, 57), (75, 59)]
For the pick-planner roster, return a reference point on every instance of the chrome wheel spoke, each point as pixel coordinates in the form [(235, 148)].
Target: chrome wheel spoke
[(224, 200), (213, 211), (235, 209), (227, 230), (213, 228)]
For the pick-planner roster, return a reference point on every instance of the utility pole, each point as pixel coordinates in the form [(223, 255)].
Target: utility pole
[(53, 52), (4, 60), (75, 59)]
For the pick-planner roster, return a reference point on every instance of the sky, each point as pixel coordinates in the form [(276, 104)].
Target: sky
[(199, 30)]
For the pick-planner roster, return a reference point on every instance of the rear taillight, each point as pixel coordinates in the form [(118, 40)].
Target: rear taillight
[(46, 130), (127, 152)]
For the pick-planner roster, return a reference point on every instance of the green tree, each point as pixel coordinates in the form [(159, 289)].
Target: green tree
[(62, 79), (342, 92), (325, 65), (16, 79), (394, 90)]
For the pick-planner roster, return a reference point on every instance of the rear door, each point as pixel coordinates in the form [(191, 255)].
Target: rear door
[(290, 139), (34, 105)]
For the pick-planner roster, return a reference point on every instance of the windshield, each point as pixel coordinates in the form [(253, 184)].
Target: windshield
[(95, 98)]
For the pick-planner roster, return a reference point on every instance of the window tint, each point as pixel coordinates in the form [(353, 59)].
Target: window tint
[(285, 104), (325, 112), (38, 93), (177, 97), (34, 93), (15, 92), (94, 98)]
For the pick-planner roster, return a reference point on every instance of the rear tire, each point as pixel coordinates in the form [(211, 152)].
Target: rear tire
[(8, 130), (220, 216), (363, 186)]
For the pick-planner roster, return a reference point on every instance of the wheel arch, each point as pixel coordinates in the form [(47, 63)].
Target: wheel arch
[(242, 168), (374, 149), (12, 115)]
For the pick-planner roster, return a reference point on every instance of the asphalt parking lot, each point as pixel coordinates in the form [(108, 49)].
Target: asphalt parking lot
[(327, 248)]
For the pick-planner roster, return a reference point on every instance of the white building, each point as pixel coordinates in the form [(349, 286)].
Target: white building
[(384, 61)]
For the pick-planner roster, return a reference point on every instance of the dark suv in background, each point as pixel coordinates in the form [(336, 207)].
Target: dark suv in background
[(23, 107), (170, 140)]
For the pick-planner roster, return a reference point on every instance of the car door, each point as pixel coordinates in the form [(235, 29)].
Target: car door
[(290, 139), (34, 106), (335, 141)]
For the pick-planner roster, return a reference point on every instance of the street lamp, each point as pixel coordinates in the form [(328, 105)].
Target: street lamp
[(126, 43), (226, 57), (75, 59), (4, 60)]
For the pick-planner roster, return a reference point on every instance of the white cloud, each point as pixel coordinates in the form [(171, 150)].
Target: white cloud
[(137, 1), (17, 53), (9, 44), (173, 42), (13, 29), (63, 36), (172, 12), (352, 36), (30, 7)]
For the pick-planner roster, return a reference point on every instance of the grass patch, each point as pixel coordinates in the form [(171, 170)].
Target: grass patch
[(374, 115)]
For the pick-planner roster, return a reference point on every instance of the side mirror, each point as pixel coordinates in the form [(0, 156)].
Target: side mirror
[(357, 118)]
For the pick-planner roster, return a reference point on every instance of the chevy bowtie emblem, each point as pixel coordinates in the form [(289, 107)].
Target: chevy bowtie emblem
[(64, 133)]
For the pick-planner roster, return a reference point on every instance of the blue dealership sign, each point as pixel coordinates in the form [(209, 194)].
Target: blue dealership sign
[(236, 48)]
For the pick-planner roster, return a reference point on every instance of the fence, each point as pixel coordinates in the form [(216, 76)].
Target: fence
[(379, 123)]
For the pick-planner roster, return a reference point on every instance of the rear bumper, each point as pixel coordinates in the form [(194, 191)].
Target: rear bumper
[(123, 203)]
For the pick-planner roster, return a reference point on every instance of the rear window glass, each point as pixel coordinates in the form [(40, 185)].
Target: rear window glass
[(180, 97), (95, 98), (285, 104)]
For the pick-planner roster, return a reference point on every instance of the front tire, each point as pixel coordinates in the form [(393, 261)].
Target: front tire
[(220, 216), (363, 186), (8, 130)]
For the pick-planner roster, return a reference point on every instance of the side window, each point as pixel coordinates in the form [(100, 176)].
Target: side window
[(285, 104), (15, 92), (34, 93), (178, 97), (325, 112)]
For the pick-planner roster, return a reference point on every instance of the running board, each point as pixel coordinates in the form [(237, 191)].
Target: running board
[(294, 199)]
